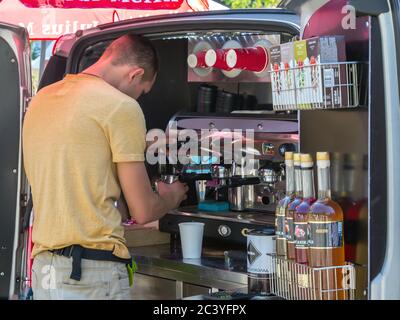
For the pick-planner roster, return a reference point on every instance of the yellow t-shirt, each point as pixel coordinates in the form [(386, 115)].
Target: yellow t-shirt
[(74, 133)]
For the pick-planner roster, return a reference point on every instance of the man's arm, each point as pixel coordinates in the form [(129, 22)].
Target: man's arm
[(144, 204), (123, 208)]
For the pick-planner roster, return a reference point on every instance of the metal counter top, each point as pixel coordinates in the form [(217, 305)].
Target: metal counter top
[(209, 271), (263, 218)]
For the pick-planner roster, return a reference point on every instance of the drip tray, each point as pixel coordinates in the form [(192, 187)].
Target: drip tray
[(246, 216)]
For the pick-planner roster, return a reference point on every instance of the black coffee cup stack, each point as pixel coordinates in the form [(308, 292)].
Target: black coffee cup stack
[(206, 98), (210, 100), (249, 102), (226, 101)]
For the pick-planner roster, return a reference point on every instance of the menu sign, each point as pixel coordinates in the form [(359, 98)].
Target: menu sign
[(50, 19), (115, 4)]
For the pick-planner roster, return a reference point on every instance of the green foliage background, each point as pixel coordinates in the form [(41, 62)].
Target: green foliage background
[(253, 4)]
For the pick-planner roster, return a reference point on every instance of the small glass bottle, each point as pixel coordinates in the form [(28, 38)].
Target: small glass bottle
[(301, 214), (351, 208), (280, 212), (326, 239), (290, 211)]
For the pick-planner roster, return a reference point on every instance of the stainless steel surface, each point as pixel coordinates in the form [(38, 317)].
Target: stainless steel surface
[(152, 288), (201, 190), (243, 293), (259, 284), (248, 203), (268, 175), (156, 288), (242, 197), (169, 178), (209, 271), (220, 172), (265, 198), (250, 217), (190, 290), (236, 198), (249, 196)]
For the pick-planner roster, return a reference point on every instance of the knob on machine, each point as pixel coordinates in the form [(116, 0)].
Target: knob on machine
[(224, 231)]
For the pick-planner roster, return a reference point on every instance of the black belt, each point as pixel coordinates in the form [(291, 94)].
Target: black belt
[(78, 253)]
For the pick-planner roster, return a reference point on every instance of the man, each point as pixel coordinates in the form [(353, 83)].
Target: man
[(84, 141)]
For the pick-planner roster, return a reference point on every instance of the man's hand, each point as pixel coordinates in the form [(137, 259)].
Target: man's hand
[(175, 192), (144, 204)]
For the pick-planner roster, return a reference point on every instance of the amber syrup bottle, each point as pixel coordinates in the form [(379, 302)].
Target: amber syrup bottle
[(283, 267), (280, 213), (326, 236), (301, 213), (301, 227), (291, 208), (351, 207)]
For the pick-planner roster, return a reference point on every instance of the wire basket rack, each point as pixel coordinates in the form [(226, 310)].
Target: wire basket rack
[(293, 281), (320, 86)]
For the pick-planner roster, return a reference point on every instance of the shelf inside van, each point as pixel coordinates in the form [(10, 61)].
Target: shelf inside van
[(320, 86)]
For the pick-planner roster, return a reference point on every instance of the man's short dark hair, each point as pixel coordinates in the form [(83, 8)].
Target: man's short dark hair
[(133, 49)]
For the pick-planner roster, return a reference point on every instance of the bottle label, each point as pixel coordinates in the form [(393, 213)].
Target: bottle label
[(289, 228), (326, 235), (301, 234)]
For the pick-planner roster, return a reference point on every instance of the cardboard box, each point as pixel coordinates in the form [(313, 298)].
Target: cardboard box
[(287, 75), (302, 76), (319, 86), (326, 89), (275, 56), (299, 80)]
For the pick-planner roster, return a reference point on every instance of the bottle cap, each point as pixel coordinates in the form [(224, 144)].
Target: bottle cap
[(322, 156), (350, 160), (337, 156), (296, 159), (288, 155), (306, 160), (306, 157)]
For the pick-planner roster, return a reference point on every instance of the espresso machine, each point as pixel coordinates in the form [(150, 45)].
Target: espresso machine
[(232, 195)]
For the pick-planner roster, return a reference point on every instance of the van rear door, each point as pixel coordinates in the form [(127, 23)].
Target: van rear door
[(15, 93)]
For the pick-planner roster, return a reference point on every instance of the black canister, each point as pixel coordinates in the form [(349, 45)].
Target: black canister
[(260, 245), (206, 98)]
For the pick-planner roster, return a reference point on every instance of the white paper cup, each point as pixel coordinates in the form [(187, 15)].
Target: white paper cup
[(191, 239)]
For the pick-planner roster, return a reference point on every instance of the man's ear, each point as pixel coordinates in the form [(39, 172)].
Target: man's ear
[(135, 72)]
